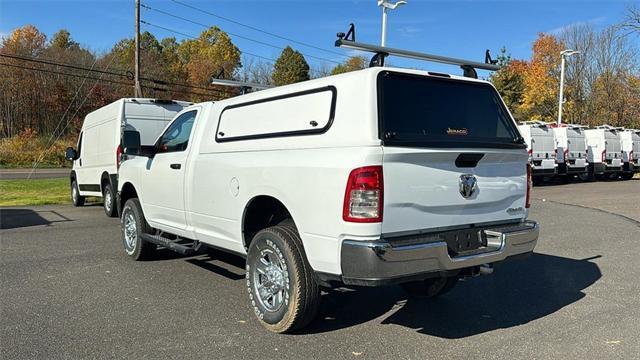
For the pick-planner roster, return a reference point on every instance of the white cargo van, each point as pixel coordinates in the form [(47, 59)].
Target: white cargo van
[(629, 142), (571, 150), (541, 148), (605, 152), (97, 158)]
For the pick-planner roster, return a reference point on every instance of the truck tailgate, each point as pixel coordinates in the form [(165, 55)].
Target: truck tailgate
[(422, 188)]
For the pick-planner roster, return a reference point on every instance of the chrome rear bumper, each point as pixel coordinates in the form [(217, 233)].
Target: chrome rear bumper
[(372, 263)]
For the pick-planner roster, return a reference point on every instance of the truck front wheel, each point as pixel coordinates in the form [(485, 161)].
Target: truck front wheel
[(282, 289), (430, 288), (133, 225)]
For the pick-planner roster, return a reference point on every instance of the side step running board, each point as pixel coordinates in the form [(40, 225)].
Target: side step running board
[(180, 245)]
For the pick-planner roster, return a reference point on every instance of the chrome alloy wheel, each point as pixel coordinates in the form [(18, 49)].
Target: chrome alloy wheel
[(74, 194), (108, 200), (270, 280), (130, 231)]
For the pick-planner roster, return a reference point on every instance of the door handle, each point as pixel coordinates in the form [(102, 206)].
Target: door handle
[(175, 166)]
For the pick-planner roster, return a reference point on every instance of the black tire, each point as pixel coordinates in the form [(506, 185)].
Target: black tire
[(76, 198), (137, 248), (109, 204), (430, 288), (292, 280), (627, 176)]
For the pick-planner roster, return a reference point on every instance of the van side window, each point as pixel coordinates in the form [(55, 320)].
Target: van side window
[(176, 137), (80, 145)]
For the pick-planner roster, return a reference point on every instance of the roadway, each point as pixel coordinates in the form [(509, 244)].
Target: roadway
[(69, 291)]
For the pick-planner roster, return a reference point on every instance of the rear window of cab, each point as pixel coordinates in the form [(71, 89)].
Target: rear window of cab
[(437, 111)]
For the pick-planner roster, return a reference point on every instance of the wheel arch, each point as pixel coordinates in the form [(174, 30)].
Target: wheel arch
[(262, 211), (105, 179), (127, 192)]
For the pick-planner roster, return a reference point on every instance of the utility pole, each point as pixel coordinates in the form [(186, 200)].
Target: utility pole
[(137, 90), (563, 54), (386, 6)]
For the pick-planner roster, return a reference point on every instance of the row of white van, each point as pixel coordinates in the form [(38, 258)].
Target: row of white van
[(576, 150)]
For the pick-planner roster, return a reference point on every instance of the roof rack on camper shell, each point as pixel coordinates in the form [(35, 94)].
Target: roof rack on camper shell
[(569, 126), (609, 127), (468, 67), (535, 123), (244, 86)]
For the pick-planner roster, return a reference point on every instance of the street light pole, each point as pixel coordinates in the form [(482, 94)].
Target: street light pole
[(563, 54), (137, 89), (386, 5)]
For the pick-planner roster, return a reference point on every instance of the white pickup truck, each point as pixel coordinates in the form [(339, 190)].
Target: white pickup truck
[(374, 177)]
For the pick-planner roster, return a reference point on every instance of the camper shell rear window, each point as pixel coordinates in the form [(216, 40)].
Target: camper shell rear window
[(429, 111)]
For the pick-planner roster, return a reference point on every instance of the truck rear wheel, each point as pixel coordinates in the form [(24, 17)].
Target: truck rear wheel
[(109, 201), (133, 225), (282, 289), (430, 288), (76, 198)]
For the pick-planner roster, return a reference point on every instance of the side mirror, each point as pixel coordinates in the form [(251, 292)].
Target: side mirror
[(71, 154)]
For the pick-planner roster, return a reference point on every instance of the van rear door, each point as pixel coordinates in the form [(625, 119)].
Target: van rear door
[(440, 135)]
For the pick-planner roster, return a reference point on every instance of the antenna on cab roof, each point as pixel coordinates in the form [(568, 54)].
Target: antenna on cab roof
[(468, 67)]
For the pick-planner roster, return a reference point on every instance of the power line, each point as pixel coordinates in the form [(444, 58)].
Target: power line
[(65, 74), (217, 91), (235, 35), (270, 60), (56, 63), (257, 29), (128, 76)]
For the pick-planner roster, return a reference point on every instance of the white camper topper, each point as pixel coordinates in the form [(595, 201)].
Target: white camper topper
[(540, 146), (97, 158), (571, 149), (605, 153)]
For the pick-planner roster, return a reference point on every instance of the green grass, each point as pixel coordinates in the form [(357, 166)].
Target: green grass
[(34, 192)]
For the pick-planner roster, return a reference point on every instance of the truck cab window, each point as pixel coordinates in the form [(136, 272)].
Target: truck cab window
[(176, 137)]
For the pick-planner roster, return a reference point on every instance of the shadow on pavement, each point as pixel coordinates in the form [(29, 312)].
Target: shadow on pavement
[(518, 292), (18, 218)]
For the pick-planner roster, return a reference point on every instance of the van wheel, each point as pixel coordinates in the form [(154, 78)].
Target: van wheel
[(627, 176), (133, 225), (282, 289), (430, 288), (109, 201), (76, 198)]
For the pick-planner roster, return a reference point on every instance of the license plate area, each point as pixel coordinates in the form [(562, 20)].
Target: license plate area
[(463, 242)]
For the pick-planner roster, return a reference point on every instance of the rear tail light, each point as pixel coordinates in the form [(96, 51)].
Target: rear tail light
[(530, 152), (527, 202), (604, 153), (118, 156), (566, 155), (363, 198)]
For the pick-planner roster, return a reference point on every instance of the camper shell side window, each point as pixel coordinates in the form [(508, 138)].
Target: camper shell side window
[(300, 113)]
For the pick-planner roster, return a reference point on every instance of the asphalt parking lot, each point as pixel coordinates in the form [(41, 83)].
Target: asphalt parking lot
[(69, 291)]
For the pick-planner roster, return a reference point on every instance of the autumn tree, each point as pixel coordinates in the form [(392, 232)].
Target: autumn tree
[(291, 67), (352, 64), (509, 81), (541, 80)]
